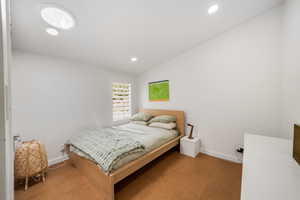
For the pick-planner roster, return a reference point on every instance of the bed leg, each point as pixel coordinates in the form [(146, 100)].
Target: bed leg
[(110, 193), (26, 183)]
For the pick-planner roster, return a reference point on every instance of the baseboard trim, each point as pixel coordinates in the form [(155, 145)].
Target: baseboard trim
[(227, 157), (57, 160), (221, 156)]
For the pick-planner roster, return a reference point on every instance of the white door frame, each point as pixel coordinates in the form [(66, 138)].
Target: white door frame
[(5, 102), (2, 123)]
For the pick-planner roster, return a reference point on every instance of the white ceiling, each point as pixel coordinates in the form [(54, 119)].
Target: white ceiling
[(109, 32)]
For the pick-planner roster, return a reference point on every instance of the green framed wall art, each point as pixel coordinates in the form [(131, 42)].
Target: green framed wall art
[(159, 91)]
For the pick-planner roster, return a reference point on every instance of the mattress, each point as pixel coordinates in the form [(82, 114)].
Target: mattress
[(150, 137)]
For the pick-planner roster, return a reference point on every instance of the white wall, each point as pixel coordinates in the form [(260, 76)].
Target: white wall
[(227, 86), (54, 98), (291, 67)]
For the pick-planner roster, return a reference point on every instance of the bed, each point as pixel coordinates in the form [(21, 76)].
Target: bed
[(104, 180)]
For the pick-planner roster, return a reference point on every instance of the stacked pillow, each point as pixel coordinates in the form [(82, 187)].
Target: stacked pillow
[(161, 121), (168, 126), (141, 118), (140, 122)]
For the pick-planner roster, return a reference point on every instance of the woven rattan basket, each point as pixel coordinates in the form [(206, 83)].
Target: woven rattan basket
[(30, 160)]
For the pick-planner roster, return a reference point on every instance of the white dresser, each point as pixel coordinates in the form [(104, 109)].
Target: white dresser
[(269, 170)]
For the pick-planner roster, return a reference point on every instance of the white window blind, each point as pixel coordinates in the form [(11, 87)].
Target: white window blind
[(121, 99)]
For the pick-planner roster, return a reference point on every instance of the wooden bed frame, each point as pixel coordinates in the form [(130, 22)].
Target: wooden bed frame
[(104, 183)]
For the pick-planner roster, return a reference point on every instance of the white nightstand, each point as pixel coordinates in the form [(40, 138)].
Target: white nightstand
[(190, 147)]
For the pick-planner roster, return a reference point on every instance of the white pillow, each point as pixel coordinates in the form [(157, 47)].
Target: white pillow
[(139, 122), (168, 126), (163, 119), (141, 117)]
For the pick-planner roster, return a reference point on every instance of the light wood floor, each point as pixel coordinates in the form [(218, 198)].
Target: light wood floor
[(170, 177)]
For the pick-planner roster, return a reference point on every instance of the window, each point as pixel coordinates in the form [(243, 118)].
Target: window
[(121, 100)]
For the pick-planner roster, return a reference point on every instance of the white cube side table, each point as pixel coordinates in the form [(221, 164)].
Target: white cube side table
[(190, 147)]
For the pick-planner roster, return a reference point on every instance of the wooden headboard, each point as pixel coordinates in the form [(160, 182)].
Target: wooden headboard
[(180, 120)]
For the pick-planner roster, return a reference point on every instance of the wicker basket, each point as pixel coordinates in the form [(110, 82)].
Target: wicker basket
[(30, 160)]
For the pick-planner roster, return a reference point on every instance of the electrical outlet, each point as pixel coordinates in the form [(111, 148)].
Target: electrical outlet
[(240, 149)]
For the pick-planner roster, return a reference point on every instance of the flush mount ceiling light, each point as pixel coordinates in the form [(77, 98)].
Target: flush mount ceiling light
[(52, 31), (134, 59), (213, 9), (57, 17)]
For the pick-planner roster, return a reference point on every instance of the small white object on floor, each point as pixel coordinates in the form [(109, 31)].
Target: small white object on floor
[(190, 147)]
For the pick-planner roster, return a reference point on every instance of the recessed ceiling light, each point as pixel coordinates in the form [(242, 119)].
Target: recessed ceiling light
[(134, 59), (57, 18), (52, 31), (213, 9)]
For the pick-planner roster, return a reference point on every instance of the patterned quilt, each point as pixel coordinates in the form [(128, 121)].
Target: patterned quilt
[(106, 146)]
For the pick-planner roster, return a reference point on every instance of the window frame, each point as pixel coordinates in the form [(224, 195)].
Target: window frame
[(122, 115)]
